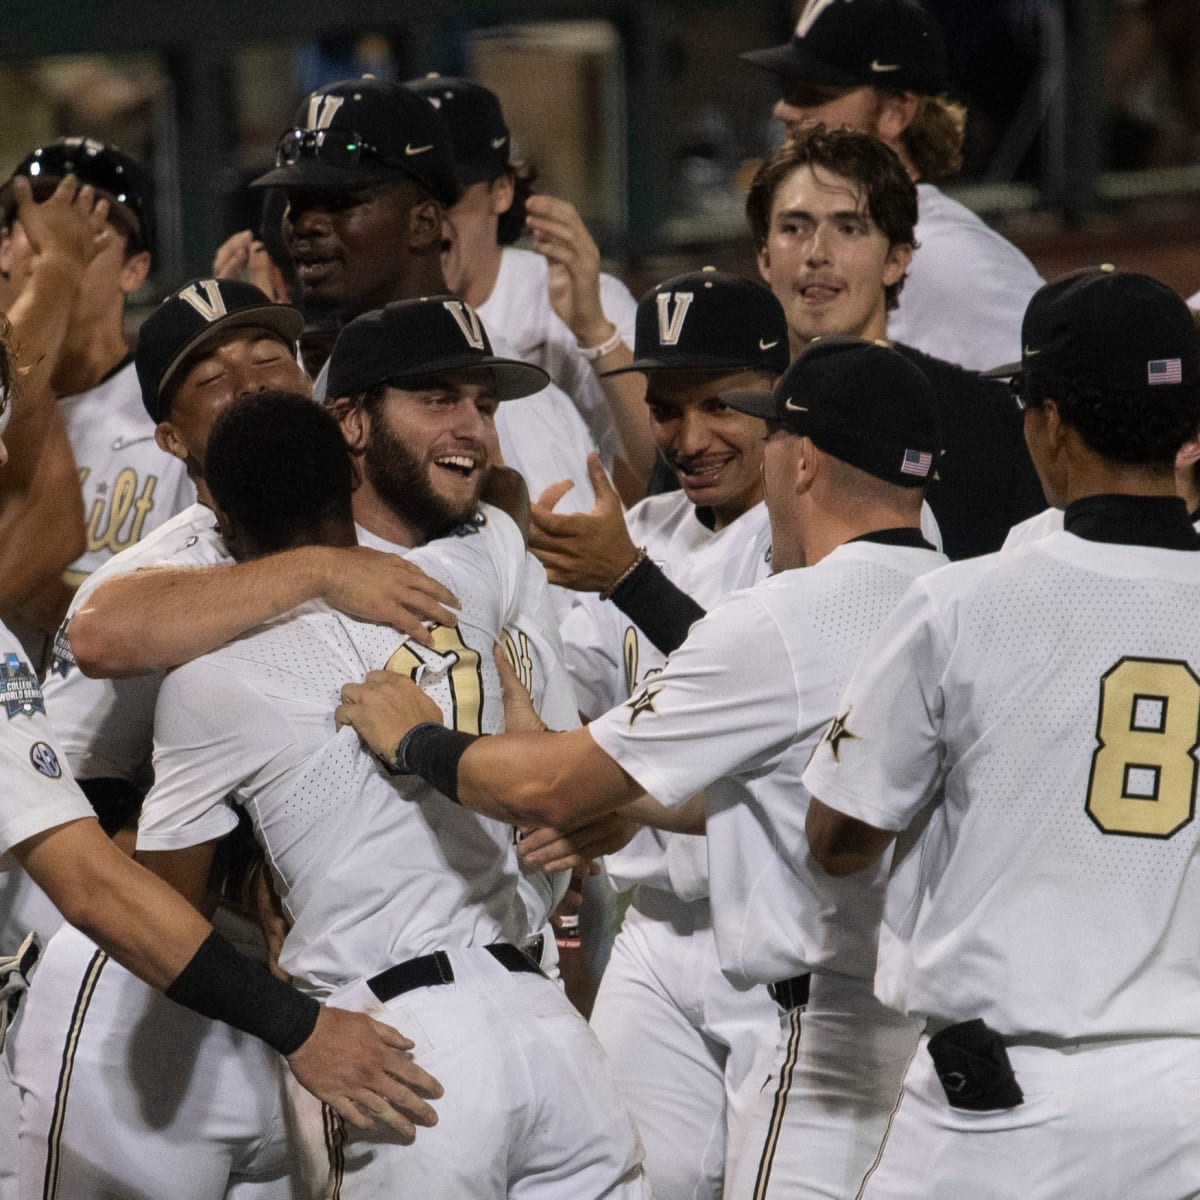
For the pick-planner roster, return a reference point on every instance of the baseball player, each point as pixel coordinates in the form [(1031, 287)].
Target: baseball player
[(129, 485), (47, 827), (1029, 719), (207, 343), (552, 303), (832, 215), (879, 66), (682, 1039), (393, 912), (369, 172), (736, 711)]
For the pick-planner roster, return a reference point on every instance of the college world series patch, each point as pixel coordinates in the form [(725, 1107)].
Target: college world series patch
[(19, 689), (45, 761)]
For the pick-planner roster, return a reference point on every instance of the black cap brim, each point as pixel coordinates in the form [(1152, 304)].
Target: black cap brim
[(513, 378), (712, 365), (753, 404), (309, 173), (1005, 372), (282, 319), (790, 62)]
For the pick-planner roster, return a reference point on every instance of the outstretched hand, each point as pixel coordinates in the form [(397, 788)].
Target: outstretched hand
[(585, 551), (365, 1070), (519, 713), (549, 849)]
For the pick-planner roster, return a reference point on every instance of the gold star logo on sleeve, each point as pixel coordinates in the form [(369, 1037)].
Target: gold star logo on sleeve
[(642, 704), (837, 733)]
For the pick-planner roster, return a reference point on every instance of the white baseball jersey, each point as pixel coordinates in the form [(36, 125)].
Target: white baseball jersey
[(966, 290), (609, 657), (1039, 709), (736, 712), (1033, 529), (106, 724), (1194, 301), (519, 309), (129, 485), (371, 871), (38, 792)]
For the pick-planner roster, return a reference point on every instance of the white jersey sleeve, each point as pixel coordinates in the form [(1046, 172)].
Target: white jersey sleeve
[(893, 700), (708, 713), (36, 789), (212, 733), (1033, 528)]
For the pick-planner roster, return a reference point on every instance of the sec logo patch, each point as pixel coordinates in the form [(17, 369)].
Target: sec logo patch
[(45, 761)]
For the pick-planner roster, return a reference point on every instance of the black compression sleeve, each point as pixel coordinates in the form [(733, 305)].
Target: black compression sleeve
[(115, 800), (656, 606), (432, 752), (220, 983)]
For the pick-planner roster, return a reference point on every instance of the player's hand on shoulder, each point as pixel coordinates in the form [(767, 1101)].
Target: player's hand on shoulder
[(376, 585), (557, 232), (365, 1070), (584, 551), (383, 708)]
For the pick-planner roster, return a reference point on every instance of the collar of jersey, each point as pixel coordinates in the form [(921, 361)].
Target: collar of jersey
[(1159, 521)]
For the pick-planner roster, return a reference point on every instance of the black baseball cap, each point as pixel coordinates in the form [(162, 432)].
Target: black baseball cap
[(893, 44), (362, 131), (477, 128), (116, 176), (1108, 329), (859, 401), (709, 320), (412, 339), (189, 317)]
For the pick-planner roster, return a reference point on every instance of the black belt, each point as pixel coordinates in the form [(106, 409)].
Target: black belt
[(790, 993), (431, 970)]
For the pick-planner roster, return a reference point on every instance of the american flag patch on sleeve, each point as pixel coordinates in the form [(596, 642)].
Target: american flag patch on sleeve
[(1164, 370), (916, 462)]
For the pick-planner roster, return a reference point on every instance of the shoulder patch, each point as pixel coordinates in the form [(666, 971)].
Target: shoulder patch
[(45, 761), (19, 688), (62, 658)]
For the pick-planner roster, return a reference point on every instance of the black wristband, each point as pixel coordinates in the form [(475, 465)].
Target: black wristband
[(220, 983), (656, 606), (432, 752)]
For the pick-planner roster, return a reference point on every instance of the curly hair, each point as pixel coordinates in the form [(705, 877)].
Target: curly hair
[(1139, 427), (934, 140), (10, 372), (512, 223), (889, 193)]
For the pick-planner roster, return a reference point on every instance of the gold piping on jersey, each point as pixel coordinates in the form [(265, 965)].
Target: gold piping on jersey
[(887, 1129), (763, 1179), (58, 1116), (335, 1147)]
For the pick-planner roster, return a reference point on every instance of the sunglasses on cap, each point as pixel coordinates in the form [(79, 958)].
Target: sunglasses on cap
[(334, 147)]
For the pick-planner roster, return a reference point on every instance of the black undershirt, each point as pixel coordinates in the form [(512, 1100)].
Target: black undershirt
[(903, 535), (1160, 521)]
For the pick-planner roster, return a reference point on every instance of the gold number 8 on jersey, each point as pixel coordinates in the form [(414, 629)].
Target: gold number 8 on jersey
[(1143, 780)]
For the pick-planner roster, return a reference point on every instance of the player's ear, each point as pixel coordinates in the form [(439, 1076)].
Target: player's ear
[(807, 463), (168, 439), (355, 421), (1189, 454), (134, 271), (898, 260), (763, 257), (502, 193), (425, 225), (897, 111)]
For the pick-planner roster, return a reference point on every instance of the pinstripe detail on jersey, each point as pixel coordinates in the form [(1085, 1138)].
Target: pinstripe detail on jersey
[(335, 1143), (58, 1116), (763, 1179), (883, 1141)]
